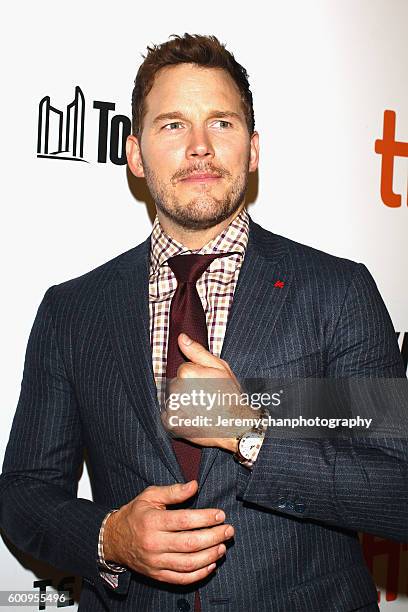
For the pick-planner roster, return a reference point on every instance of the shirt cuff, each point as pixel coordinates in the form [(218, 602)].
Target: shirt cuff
[(109, 568), (245, 473)]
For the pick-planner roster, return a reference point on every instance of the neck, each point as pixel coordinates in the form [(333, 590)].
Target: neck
[(192, 238)]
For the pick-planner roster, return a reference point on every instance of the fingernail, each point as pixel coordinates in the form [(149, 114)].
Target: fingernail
[(222, 549), (186, 485), (186, 339), (211, 567), (229, 532), (220, 516)]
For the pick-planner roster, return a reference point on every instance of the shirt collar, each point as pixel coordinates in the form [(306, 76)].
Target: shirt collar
[(233, 238)]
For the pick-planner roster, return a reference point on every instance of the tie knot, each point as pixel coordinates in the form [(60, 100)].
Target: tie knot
[(189, 268)]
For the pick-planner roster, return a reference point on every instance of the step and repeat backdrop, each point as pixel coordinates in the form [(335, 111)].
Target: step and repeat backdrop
[(330, 87)]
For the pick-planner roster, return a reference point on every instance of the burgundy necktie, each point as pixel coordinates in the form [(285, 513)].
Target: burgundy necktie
[(187, 315)]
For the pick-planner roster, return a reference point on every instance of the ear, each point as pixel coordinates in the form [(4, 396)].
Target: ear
[(254, 152), (134, 156)]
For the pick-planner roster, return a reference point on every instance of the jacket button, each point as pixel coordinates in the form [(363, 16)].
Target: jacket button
[(281, 502), (183, 605), (290, 506), (300, 508)]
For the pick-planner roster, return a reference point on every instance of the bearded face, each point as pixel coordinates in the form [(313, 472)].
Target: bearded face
[(193, 200)]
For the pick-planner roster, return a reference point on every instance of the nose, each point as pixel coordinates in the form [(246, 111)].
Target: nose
[(199, 144)]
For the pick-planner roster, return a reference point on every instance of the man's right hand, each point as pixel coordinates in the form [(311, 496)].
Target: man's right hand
[(176, 546)]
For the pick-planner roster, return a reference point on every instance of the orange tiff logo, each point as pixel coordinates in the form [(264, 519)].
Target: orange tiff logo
[(389, 148)]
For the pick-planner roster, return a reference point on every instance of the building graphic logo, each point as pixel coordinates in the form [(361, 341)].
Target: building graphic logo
[(61, 135)]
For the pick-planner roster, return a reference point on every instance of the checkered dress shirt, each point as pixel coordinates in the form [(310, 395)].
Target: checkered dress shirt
[(216, 290)]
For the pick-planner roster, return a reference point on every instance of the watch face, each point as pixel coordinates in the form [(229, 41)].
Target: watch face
[(249, 443)]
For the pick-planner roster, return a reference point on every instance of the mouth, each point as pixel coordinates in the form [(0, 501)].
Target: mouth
[(201, 178)]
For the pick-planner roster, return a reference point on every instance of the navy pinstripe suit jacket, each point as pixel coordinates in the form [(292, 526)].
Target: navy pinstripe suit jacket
[(88, 383)]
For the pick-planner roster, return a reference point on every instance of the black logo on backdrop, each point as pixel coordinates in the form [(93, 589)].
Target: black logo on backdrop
[(119, 128), (64, 588), (61, 134)]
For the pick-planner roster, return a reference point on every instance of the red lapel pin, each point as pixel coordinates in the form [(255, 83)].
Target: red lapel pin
[(279, 284)]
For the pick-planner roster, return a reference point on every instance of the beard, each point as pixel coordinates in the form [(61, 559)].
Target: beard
[(204, 210)]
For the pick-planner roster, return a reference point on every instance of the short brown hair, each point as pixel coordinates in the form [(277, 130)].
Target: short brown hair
[(197, 49)]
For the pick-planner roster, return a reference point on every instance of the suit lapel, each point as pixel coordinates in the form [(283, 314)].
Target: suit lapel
[(255, 309), (127, 311)]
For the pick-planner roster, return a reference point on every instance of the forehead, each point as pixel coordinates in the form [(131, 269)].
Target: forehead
[(186, 85)]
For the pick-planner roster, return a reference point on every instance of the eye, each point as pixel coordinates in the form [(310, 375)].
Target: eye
[(223, 124), (172, 126)]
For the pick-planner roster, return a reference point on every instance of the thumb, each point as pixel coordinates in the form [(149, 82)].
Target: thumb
[(197, 353), (169, 494)]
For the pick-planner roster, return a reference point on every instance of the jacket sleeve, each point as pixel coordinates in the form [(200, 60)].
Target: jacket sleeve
[(39, 508), (351, 481)]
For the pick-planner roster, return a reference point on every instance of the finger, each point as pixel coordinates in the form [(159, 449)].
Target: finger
[(190, 562), (188, 369), (183, 577), (169, 494), (184, 520), (195, 352), (193, 541)]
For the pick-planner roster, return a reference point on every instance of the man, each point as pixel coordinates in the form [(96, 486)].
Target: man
[(197, 523)]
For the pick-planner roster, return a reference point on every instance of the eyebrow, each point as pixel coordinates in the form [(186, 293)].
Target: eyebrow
[(211, 114)]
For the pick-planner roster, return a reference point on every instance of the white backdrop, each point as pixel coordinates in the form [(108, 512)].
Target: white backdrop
[(322, 75)]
